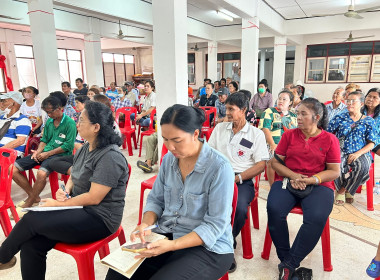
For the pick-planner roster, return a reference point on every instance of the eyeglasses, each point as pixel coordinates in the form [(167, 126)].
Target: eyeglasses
[(80, 121), (352, 101), (49, 112)]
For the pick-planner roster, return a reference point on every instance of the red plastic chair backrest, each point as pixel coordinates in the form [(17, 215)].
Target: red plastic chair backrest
[(31, 144), (127, 111), (7, 160), (151, 127), (327, 102), (234, 203), (208, 110), (164, 151)]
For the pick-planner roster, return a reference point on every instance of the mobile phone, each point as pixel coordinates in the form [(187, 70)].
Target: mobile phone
[(135, 248)]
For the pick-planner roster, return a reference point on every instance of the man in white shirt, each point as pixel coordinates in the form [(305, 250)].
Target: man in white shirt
[(245, 147)]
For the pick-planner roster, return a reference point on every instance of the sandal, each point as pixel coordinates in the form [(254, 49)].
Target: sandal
[(373, 270), (339, 199), (349, 198), (144, 166)]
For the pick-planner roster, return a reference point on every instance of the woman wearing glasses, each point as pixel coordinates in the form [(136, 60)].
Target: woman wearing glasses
[(371, 109), (357, 136)]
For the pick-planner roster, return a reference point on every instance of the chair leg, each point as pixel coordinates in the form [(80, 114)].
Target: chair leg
[(5, 222), (267, 245), (129, 144), (121, 237), (134, 140), (224, 277), (370, 183), (141, 204), (54, 185), (14, 213), (255, 214), (85, 264), (326, 248), (141, 142), (246, 238), (104, 251), (124, 140)]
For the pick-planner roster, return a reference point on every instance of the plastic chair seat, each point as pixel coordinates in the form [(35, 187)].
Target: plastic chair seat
[(208, 127), (7, 160), (325, 240), (145, 185), (84, 253)]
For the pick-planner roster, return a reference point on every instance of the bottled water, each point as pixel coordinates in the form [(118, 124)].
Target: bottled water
[(376, 189)]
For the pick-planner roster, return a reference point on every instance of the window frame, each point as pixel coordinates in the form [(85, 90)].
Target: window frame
[(307, 70), (114, 66), (72, 83), (31, 58), (348, 64)]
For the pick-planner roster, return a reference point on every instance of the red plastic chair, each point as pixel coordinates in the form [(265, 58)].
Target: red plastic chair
[(127, 129), (327, 102), (148, 184), (325, 240), (84, 253), (246, 230), (7, 160), (234, 203), (148, 132), (208, 127), (370, 184)]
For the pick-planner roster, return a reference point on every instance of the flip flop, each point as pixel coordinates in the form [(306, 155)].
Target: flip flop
[(144, 166), (373, 270), (339, 199), (349, 198)]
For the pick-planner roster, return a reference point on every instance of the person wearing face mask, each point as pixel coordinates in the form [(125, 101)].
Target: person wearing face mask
[(32, 108), (14, 126), (122, 100), (262, 100)]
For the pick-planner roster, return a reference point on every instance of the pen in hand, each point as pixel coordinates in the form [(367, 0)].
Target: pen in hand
[(147, 228), (64, 189)]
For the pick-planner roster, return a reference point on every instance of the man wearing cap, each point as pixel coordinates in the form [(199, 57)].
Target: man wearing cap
[(220, 104), (14, 126)]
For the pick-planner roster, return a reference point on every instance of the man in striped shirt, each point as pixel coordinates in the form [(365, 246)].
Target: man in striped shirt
[(19, 128)]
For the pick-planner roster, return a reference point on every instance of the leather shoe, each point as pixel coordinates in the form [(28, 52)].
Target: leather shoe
[(9, 264)]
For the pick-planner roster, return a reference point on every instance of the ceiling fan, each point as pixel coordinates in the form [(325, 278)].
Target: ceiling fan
[(351, 38), (195, 48), (120, 35), (351, 13), (8, 17)]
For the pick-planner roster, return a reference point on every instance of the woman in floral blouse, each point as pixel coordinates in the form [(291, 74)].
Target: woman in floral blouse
[(357, 136)]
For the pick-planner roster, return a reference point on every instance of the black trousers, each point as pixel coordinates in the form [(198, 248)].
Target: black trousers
[(61, 164), (192, 263), (38, 232), (316, 209), (245, 196)]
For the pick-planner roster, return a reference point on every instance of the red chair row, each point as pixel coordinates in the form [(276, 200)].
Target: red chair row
[(126, 128)]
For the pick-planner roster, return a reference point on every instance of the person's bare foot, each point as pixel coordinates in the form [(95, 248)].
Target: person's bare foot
[(9, 264), (30, 201)]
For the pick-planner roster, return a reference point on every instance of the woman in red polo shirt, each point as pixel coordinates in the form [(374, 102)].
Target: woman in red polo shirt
[(311, 156)]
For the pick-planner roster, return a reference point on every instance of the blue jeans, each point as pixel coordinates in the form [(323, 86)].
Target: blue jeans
[(143, 121), (316, 208)]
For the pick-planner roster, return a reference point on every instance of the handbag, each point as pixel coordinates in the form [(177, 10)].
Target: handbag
[(4, 128), (296, 192)]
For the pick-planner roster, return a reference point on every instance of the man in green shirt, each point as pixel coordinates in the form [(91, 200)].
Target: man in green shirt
[(58, 140)]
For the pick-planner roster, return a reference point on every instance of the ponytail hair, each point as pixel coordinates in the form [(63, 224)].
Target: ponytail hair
[(317, 108)]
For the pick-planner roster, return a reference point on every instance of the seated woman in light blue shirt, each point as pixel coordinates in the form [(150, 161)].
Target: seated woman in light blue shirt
[(191, 202)]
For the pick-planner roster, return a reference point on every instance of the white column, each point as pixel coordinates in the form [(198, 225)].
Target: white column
[(212, 69), (42, 28), (93, 58), (299, 63), (169, 55), (249, 54), (262, 64), (279, 64)]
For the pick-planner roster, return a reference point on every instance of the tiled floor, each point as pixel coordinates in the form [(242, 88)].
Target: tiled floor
[(355, 234)]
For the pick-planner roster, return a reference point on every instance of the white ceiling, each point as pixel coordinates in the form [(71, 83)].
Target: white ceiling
[(291, 9)]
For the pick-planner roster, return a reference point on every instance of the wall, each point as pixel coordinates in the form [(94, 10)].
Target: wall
[(324, 91)]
